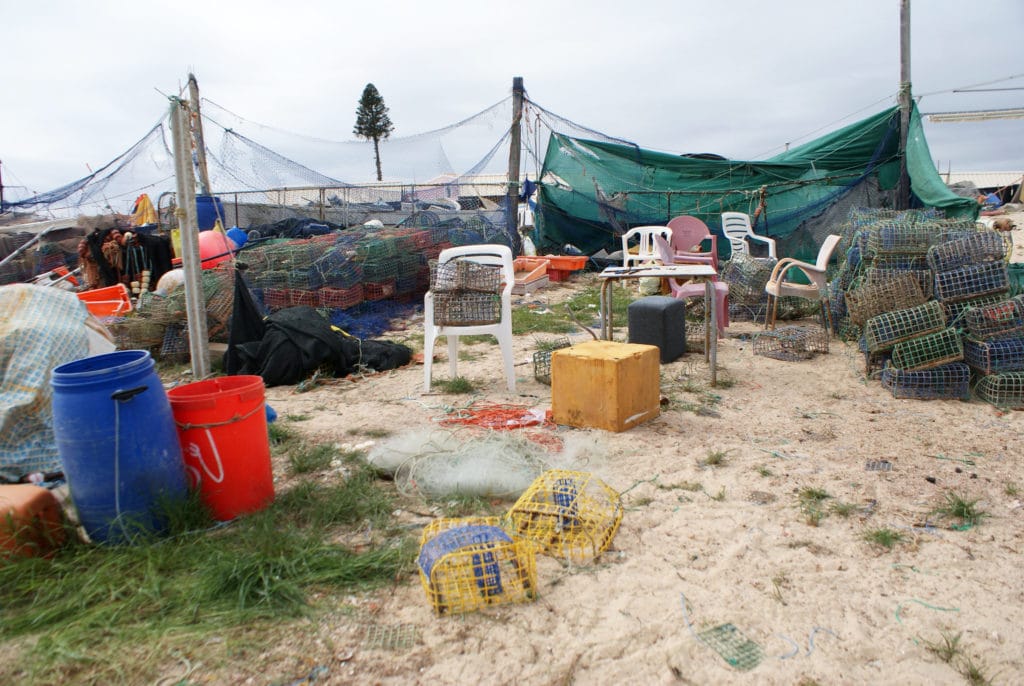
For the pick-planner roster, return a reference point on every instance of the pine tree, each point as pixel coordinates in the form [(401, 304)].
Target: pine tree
[(372, 121)]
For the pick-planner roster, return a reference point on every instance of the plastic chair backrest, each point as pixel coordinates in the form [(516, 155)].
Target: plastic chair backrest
[(645, 251), (736, 227), (688, 233), (826, 250)]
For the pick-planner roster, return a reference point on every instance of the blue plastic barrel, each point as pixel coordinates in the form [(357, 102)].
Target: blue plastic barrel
[(118, 443), (208, 210)]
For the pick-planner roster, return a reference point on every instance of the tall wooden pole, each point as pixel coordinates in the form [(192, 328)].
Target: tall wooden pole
[(513, 156), (903, 190), (195, 303), (204, 175)]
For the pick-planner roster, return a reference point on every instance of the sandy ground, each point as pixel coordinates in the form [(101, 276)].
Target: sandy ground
[(823, 604)]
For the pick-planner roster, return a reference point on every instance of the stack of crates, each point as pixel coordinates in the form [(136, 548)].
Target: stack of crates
[(994, 349)]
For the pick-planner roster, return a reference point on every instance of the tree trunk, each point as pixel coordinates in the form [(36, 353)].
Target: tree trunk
[(376, 156)]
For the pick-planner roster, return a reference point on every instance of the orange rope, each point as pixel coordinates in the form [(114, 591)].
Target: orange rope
[(497, 416)]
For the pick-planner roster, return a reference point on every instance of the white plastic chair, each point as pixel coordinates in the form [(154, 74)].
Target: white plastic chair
[(496, 255), (736, 227), (646, 252), (778, 286)]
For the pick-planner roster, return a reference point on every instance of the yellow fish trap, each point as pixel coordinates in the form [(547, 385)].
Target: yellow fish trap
[(569, 515), (470, 563)]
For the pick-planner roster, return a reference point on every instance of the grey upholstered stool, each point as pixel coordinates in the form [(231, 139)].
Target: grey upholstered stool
[(659, 320)]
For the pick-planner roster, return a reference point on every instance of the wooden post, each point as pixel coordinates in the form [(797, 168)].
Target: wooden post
[(903, 189), (204, 175), (195, 303), (513, 157)]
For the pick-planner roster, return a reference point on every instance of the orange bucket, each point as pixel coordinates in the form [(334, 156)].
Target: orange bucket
[(222, 427)]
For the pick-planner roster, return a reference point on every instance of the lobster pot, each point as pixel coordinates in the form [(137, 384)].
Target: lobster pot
[(464, 275), (1005, 391), (379, 270), (569, 515), (900, 292), (791, 343), (886, 330), (466, 309), (995, 356), (747, 277), (947, 382), (1003, 319), (955, 311), (376, 249), (542, 359), (336, 269), (928, 351), (305, 279), (900, 238), (341, 298), (972, 281), (977, 247), (465, 566), (924, 277)]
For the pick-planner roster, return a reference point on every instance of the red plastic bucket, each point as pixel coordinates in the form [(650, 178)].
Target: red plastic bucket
[(222, 427)]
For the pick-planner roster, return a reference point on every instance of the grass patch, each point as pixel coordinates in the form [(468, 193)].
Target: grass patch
[(957, 506), (842, 509), (974, 673), (885, 538), (1011, 490), (469, 506), (692, 486), (307, 458), (458, 385), (281, 435), (717, 497), (112, 614), (724, 382), (714, 458), (764, 471), (947, 648), (296, 417), (370, 432), (811, 503)]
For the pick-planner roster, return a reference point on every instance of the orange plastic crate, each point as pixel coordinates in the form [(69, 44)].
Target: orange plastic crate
[(107, 302), (529, 269), (569, 263)]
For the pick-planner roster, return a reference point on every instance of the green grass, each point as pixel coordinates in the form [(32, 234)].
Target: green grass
[(764, 471), (556, 319), (469, 506), (714, 458), (811, 503), (310, 458), (973, 672), (946, 649), (370, 432), (842, 509), (957, 506), (885, 538), (113, 614), (1011, 490), (458, 385)]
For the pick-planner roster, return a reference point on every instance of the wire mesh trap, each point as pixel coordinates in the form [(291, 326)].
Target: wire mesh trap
[(996, 356), (735, 648), (971, 281), (569, 515), (955, 311), (468, 566), (878, 466), (542, 358), (900, 292), (1003, 319), (791, 343), (946, 382), (1005, 391), (982, 246), (390, 637), (883, 331), (464, 275), (466, 308), (928, 351)]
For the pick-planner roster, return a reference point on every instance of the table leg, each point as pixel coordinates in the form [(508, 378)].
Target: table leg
[(711, 330), (605, 310)]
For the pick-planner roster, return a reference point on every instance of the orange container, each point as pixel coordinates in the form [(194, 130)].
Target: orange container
[(529, 269), (569, 263), (222, 427), (111, 301), (31, 522)]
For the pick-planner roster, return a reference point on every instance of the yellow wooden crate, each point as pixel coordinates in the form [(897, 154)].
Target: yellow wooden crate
[(605, 385)]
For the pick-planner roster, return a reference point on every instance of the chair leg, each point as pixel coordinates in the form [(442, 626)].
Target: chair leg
[(826, 306), (505, 342), (428, 357), (453, 355)]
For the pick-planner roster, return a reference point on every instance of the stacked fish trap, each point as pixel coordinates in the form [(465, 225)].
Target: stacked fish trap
[(467, 564), (946, 382), (542, 358), (465, 293), (994, 349)]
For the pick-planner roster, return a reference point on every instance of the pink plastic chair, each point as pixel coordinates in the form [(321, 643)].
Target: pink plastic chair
[(695, 289), (688, 233)]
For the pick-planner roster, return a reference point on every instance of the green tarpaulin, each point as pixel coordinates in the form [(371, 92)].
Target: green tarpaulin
[(591, 191)]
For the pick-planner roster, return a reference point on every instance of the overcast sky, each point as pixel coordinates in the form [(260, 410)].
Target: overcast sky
[(83, 81)]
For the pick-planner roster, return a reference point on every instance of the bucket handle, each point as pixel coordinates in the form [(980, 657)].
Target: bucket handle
[(128, 393)]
